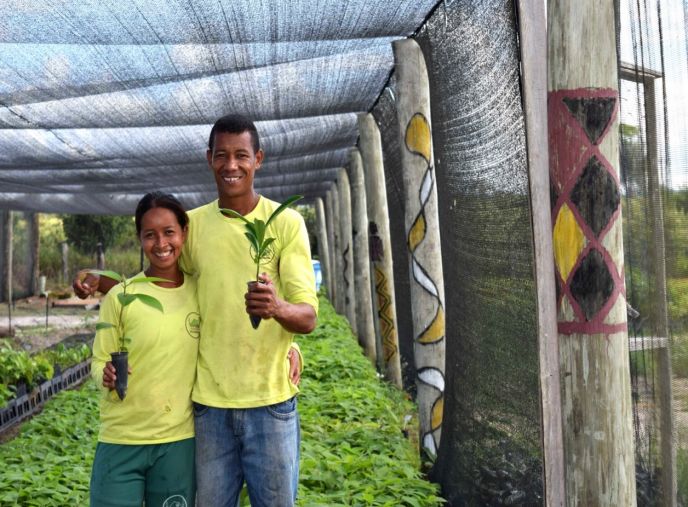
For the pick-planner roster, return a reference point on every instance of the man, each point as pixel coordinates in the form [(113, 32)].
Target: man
[(246, 421)]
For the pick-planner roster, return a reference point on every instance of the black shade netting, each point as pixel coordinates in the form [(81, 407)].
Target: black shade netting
[(653, 73), (490, 452)]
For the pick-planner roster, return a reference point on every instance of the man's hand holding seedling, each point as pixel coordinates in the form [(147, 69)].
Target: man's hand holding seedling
[(262, 301)]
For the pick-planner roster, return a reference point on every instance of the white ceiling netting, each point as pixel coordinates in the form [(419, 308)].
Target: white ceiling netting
[(104, 100)]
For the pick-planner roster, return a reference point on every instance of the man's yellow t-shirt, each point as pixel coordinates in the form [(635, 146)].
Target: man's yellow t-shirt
[(162, 358), (238, 366)]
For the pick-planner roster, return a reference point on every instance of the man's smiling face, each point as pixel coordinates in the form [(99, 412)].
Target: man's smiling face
[(234, 163)]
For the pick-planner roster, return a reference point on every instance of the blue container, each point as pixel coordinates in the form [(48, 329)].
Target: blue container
[(318, 274)]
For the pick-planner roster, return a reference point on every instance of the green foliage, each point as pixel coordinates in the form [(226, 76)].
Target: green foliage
[(125, 299), (679, 355), (65, 357), (18, 366), (122, 256), (49, 463), (682, 475), (307, 211), (255, 231), (353, 448), (85, 231)]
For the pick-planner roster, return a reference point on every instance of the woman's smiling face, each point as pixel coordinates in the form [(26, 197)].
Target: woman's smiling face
[(162, 238)]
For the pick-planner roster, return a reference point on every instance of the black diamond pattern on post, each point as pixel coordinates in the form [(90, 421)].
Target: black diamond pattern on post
[(592, 114), (592, 284), (596, 195)]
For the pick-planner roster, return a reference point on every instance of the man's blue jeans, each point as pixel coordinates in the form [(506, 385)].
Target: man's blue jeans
[(258, 445)]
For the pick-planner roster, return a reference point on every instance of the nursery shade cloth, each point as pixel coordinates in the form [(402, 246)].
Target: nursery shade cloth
[(101, 101)]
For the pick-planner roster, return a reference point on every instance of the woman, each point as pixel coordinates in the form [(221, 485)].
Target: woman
[(145, 446)]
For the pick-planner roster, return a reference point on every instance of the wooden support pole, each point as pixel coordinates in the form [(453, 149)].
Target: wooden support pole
[(381, 265), (329, 216), (2, 254), (364, 303), (323, 244), (7, 240), (346, 248), (423, 237), (100, 256), (64, 249), (339, 265), (33, 229), (532, 25), (583, 102)]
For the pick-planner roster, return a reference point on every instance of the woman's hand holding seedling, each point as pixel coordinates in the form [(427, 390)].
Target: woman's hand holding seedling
[(109, 375)]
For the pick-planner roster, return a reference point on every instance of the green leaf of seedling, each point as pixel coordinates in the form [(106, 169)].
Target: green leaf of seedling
[(126, 299), (126, 339), (265, 251), (259, 226), (149, 300), (103, 325), (290, 200), (151, 279), (109, 274), (252, 239), (233, 214), (251, 228)]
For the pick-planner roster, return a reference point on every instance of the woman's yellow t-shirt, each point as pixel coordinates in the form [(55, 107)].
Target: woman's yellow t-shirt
[(162, 357)]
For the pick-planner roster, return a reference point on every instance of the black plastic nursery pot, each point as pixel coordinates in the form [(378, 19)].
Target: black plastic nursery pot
[(255, 320), (120, 360)]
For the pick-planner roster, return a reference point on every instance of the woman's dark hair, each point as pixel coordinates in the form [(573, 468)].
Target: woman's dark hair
[(234, 124), (160, 200)]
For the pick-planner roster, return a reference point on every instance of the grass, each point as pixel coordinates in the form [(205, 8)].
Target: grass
[(353, 448)]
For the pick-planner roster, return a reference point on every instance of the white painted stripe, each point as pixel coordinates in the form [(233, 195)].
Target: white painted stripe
[(433, 377), (423, 280)]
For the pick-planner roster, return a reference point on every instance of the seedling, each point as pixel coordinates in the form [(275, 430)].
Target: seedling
[(120, 358), (259, 244)]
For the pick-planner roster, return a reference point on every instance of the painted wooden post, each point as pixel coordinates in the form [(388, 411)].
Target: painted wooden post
[(34, 252), (532, 24), (346, 248), (370, 145), (329, 213), (588, 252), (423, 237), (323, 246), (364, 303), (64, 248)]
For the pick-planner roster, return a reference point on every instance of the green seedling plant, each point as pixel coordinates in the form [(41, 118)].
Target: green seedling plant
[(120, 358), (259, 243)]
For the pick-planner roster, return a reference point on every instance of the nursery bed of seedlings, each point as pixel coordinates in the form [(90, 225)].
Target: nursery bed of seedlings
[(354, 449)]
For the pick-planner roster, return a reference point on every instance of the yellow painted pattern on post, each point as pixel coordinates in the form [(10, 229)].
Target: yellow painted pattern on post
[(418, 136), (417, 232), (437, 411), (435, 331), (388, 332), (568, 241)]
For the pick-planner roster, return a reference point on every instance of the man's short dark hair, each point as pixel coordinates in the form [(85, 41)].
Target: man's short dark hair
[(234, 124)]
